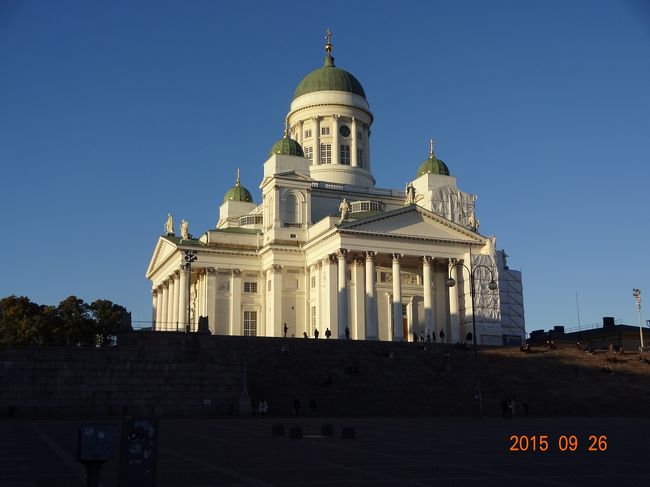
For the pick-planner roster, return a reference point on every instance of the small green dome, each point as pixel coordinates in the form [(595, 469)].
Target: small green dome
[(238, 193), (287, 146), (433, 165), (329, 78)]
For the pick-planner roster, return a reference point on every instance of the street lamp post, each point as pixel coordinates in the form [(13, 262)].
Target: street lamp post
[(190, 256), (637, 295), (451, 282)]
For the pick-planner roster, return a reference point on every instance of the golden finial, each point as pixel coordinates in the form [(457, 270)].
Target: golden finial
[(328, 41), (237, 177), (431, 148), (286, 128)]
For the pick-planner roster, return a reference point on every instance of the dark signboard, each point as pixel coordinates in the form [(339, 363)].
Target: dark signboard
[(139, 453)]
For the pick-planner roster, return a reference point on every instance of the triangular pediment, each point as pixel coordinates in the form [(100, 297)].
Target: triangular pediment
[(413, 222), (164, 248), (287, 175)]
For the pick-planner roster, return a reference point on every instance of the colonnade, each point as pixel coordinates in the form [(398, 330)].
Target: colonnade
[(361, 304), (170, 299)]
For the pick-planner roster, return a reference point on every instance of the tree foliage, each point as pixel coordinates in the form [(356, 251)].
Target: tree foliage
[(72, 322)]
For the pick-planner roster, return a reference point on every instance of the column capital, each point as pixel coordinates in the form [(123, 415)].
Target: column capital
[(359, 260), (235, 272), (276, 268), (396, 257), (427, 260), (341, 253), (370, 255), (332, 258), (210, 270)]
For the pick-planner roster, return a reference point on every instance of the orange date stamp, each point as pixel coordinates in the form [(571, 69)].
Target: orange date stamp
[(564, 443)]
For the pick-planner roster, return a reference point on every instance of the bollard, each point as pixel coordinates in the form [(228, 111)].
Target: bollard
[(348, 433), (295, 433)]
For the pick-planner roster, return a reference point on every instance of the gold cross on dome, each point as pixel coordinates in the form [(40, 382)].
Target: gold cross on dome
[(431, 147), (237, 174), (328, 36)]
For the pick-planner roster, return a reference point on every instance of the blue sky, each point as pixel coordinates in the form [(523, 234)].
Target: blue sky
[(113, 114)]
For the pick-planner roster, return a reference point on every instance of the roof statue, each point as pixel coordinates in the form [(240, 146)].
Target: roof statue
[(169, 225), (344, 208), (473, 221), (409, 198), (185, 229)]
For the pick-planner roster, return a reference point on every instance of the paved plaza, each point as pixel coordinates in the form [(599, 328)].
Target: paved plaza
[(385, 452)]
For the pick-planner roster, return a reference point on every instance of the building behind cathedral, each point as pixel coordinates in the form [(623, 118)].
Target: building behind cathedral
[(326, 249)]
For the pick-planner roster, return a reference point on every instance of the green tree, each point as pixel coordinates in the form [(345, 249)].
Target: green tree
[(76, 324), (18, 320), (109, 318)]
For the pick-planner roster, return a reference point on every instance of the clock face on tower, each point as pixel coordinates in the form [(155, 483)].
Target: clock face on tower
[(344, 131)]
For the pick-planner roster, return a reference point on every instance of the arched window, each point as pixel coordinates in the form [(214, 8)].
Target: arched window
[(292, 210)]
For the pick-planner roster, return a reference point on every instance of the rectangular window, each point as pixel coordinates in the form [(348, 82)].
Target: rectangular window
[(326, 153), (344, 154), (250, 287), (313, 281), (324, 130), (309, 152), (313, 317), (308, 134), (250, 323), (360, 157)]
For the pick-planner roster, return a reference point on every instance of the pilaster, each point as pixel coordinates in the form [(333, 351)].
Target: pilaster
[(342, 293), (398, 334), (372, 327)]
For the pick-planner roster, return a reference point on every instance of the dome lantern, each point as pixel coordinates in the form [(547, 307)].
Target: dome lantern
[(238, 193), (433, 165)]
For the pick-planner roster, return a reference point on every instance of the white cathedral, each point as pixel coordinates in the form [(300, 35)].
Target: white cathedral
[(326, 249)]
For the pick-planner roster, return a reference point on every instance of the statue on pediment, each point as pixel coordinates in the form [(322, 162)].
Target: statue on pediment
[(185, 229), (344, 208), (169, 225), (409, 194)]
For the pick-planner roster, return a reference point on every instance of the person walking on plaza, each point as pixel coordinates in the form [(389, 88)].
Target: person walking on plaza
[(316, 333), (328, 333), (442, 336), (286, 329), (347, 333)]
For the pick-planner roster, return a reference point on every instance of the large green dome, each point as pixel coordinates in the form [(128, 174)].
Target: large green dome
[(287, 146), (329, 78), (238, 193), (433, 165)]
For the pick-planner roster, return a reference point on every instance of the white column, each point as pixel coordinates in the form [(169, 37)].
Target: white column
[(174, 297), (276, 328), (211, 298), (330, 296), (372, 327), (454, 310), (397, 299), (183, 286), (300, 132), (354, 144), (316, 136), (428, 298), (335, 140), (276, 208), (358, 330), (342, 293), (165, 300), (235, 303), (154, 310), (366, 149)]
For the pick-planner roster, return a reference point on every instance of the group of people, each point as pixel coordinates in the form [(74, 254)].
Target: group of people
[(509, 408), (328, 333), (261, 407)]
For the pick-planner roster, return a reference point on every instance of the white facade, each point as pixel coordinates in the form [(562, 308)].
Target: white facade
[(381, 271)]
